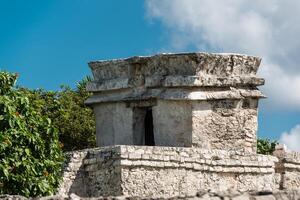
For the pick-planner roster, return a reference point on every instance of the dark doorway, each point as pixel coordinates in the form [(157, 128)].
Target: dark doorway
[(149, 135)]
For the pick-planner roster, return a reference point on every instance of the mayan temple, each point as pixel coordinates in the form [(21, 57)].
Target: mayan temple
[(175, 124)]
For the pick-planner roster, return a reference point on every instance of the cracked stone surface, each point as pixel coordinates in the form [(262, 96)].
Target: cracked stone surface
[(197, 100)]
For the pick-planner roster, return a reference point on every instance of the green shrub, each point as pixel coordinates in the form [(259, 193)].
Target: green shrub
[(30, 154), (76, 122), (66, 109), (265, 146)]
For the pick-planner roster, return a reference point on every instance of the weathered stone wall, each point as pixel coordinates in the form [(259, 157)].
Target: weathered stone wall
[(288, 168), (197, 99), (92, 172), (225, 124), (173, 123), (171, 171), (74, 175), (166, 171), (216, 124), (114, 124), (201, 195)]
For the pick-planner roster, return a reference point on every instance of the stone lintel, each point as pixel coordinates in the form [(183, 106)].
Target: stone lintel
[(174, 81), (175, 94)]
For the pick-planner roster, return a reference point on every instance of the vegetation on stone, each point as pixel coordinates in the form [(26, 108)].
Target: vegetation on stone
[(266, 146), (30, 153)]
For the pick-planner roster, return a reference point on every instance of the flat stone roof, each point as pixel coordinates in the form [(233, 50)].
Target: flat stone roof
[(198, 76), (188, 64)]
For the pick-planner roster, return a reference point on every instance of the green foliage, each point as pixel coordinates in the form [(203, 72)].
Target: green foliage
[(75, 120), (265, 146), (30, 154), (66, 109), (6, 82), (81, 85)]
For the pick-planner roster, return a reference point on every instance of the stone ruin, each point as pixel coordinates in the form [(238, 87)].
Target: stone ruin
[(174, 124)]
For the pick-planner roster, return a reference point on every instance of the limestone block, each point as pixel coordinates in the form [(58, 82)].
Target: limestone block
[(113, 124), (172, 123)]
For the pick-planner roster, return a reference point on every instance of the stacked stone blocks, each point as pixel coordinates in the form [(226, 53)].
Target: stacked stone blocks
[(174, 124), (196, 99)]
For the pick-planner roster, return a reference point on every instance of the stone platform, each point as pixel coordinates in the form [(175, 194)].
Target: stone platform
[(165, 171)]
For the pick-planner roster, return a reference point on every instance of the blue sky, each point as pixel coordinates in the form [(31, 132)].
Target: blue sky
[(50, 42)]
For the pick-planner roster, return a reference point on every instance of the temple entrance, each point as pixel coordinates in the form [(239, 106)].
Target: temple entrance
[(143, 130), (149, 135)]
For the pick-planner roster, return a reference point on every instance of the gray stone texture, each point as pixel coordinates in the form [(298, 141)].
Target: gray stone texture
[(170, 171), (288, 167), (203, 110), (114, 124), (197, 100), (201, 195)]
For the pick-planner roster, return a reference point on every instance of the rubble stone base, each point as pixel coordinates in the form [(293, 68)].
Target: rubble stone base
[(165, 171)]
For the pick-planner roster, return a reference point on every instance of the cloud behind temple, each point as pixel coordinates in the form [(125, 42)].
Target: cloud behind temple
[(268, 29), (291, 139)]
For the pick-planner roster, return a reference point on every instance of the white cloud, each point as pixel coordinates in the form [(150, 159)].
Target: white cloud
[(291, 139), (268, 28)]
